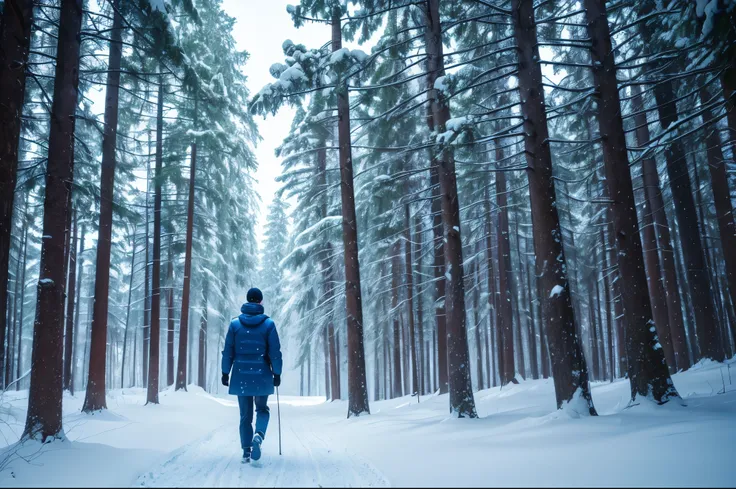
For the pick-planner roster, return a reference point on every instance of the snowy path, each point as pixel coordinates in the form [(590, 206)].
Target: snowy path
[(191, 439), (309, 460)]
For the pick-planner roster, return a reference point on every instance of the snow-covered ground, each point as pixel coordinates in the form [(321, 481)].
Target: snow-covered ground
[(191, 439)]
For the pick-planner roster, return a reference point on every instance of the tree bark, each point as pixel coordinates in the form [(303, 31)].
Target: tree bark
[(181, 367), (70, 293), (155, 329), (15, 42), (410, 302), (504, 312), (516, 287), (421, 358), (569, 369), (686, 214), (77, 309), (721, 196), (533, 357), (647, 368), (655, 284), (395, 274), (13, 325), (170, 317), (334, 367), (19, 346), (147, 285), (127, 314), (357, 388), (492, 295), (95, 397), (476, 324), (202, 356), (326, 342), (462, 403), (608, 304), (44, 401)]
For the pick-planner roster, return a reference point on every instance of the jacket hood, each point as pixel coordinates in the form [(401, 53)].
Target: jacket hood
[(252, 315)]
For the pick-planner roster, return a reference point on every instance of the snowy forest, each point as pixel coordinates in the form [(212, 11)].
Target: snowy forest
[(472, 195)]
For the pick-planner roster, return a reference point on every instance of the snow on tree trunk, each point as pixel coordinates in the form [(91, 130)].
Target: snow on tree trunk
[(15, 41), (569, 370), (647, 368), (462, 402), (44, 399), (357, 388), (95, 397)]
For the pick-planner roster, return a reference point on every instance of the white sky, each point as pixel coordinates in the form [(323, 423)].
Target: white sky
[(261, 28)]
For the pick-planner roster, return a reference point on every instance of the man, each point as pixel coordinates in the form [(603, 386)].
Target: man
[(253, 352)]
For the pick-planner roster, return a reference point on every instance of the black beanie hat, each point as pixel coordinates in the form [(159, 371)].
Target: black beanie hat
[(254, 295)]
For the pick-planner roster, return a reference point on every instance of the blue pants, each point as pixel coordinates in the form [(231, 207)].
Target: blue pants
[(246, 418)]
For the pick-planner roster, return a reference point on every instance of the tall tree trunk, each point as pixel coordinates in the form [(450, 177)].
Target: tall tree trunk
[(69, 339), (181, 366), (422, 358), (155, 329), (44, 400), (326, 342), (504, 312), (309, 372), (147, 278), (77, 309), (410, 302), (357, 388), (685, 212), (95, 397), (202, 357), (328, 278), (476, 323), (170, 317), (516, 287), (127, 314), (13, 324), (529, 299), (376, 369), (492, 296), (462, 403), (440, 281), (655, 284), (438, 245), (569, 369), (15, 42), (721, 196), (334, 365), (395, 275), (647, 369), (19, 346), (608, 304)]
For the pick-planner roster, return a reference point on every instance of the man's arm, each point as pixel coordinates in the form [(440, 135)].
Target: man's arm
[(228, 352), (274, 351)]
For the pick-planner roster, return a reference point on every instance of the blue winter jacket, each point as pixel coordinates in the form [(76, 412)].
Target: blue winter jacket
[(253, 352)]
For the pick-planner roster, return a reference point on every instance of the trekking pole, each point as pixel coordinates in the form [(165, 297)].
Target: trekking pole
[(278, 410)]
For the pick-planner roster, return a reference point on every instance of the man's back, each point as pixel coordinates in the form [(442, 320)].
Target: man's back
[(253, 351)]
